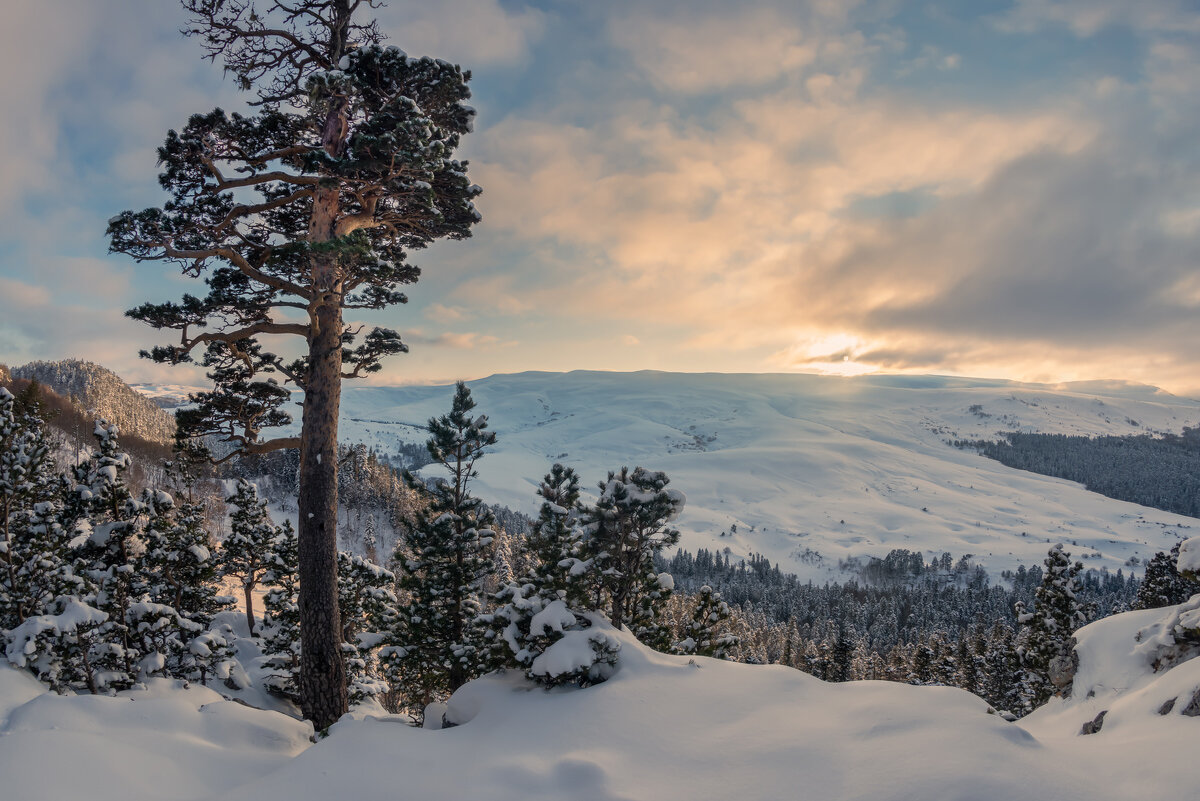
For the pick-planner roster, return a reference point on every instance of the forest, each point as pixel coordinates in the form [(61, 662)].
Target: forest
[(1158, 471)]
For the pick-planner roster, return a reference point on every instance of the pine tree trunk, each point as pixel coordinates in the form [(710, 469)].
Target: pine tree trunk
[(322, 680), (249, 590), (322, 676)]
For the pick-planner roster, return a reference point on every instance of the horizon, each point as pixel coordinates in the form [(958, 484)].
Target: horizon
[(1006, 191), (1095, 386)]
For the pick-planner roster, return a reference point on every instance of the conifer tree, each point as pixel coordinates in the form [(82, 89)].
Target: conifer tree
[(370, 538), (110, 558), (1047, 652), (1162, 584), (555, 542), (437, 643), (311, 204), (182, 573), (623, 531), (707, 633), (1002, 669), (249, 550), (367, 604), (542, 607), (32, 544), (281, 614)]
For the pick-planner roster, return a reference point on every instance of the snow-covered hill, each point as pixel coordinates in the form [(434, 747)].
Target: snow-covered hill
[(809, 470), (103, 393), (664, 727)]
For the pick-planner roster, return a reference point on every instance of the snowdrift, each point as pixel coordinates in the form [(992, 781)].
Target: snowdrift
[(1146, 745), (163, 742), (662, 727)]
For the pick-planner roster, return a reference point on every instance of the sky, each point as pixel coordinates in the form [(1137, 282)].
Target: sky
[(999, 188)]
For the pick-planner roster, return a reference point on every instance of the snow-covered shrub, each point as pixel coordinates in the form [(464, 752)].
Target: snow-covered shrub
[(68, 648), (553, 644)]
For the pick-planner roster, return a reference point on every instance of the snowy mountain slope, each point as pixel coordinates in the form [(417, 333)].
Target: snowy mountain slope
[(789, 465), (101, 390), (809, 470)]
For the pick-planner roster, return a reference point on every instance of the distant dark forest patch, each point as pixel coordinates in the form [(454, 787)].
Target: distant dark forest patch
[(1162, 472)]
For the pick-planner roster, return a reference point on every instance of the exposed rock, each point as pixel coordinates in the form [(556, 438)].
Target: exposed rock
[(1193, 708), (1093, 726), (1166, 708)]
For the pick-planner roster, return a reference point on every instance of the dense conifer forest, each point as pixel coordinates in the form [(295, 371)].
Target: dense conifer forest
[(1162, 472)]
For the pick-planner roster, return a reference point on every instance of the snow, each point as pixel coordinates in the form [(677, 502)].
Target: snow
[(661, 727), (1141, 751), (161, 742), (1189, 556), (810, 469), (672, 728)]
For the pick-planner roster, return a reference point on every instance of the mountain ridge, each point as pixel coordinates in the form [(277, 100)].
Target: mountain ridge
[(98, 388)]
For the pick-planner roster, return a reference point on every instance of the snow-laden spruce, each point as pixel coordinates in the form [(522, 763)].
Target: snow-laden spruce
[(541, 623)]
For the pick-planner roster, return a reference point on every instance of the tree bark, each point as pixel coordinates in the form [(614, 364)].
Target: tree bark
[(323, 697), (248, 588), (322, 675)]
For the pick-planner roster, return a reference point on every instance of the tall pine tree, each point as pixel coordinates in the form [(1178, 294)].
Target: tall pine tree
[(310, 205)]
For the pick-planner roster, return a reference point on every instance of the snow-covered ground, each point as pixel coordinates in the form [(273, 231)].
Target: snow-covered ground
[(662, 728), (1146, 745), (810, 469)]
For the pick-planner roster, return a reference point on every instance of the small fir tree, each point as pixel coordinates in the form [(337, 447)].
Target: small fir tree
[(443, 566), (248, 551), (1163, 585), (281, 614), (32, 542), (537, 611), (110, 558), (1047, 649), (367, 603), (623, 531), (707, 632)]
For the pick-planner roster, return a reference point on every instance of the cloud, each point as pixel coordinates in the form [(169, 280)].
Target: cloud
[(443, 314), (467, 340), (712, 225), (701, 53), (18, 294), (630, 339), (470, 32), (1088, 17)]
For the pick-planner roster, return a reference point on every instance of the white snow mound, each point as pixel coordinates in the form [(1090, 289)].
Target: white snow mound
[(1146, 743), (666, 727)]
